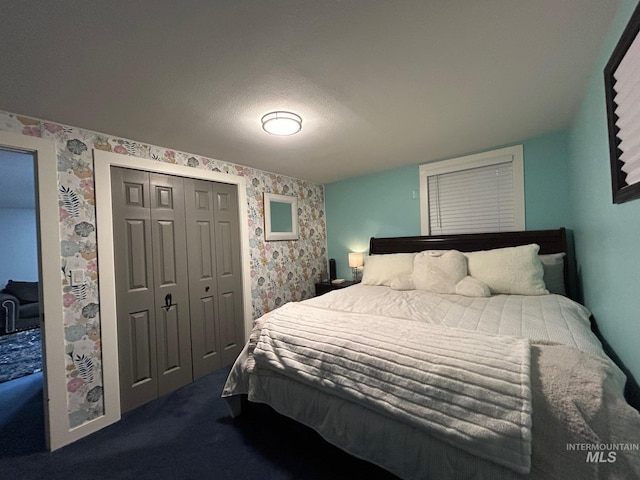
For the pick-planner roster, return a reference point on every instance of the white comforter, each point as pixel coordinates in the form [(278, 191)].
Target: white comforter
[(468, 389), (550, 318), (576, 390)]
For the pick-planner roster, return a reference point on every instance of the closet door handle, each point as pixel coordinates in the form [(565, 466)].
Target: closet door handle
[(167, 302)]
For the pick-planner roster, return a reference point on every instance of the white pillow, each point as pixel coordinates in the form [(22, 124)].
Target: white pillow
[(382, 269), (511, 270), (439, 270), (553, 267), (472, 287), (404, 282)]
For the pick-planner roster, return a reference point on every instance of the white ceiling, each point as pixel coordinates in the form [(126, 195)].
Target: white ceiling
[(379, 84)]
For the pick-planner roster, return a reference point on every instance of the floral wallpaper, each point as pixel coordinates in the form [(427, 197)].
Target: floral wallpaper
[(280, 271)]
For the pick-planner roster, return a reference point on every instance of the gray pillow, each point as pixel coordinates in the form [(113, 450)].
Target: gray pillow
[(553, 266)]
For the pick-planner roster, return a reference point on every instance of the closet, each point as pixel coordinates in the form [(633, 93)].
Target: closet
[(178, 281)]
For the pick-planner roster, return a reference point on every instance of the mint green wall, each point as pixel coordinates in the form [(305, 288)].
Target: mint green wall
[(382, 204), (607, 236), (376, 205), (546, 181)]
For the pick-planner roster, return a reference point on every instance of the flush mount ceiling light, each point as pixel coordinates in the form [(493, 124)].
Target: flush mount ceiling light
[(281, 123)]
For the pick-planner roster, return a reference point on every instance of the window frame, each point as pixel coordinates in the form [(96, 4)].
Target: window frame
[(483, 159), (621, 190)]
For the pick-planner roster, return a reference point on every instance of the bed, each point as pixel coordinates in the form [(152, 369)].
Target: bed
[(458, 356)]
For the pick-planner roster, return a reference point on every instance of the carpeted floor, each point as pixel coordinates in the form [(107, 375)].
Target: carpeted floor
[(20, 354), (21, 417), (188, 434)]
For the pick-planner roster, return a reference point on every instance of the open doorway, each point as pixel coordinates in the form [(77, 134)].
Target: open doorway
[(21, 364), (56, 421)]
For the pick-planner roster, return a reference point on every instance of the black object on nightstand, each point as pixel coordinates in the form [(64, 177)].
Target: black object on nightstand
[(322, 288)]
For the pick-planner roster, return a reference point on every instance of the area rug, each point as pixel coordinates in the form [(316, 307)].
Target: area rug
[(20, 354)]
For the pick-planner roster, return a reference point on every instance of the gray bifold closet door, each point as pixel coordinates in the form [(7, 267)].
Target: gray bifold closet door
[(215, 280), (178, 281)]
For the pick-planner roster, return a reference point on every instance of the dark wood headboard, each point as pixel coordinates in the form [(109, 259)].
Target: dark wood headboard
[(550, 241)]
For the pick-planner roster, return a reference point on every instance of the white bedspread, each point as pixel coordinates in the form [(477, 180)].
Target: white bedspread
[(576, 390), (468, 389), (549, 318)]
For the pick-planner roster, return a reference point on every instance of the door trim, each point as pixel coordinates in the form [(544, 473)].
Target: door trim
[(103, 161), (56, 420)]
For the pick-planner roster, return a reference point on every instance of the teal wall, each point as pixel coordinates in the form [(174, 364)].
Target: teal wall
[(546, 181), (376, 205), (383, 204), (607, 236)]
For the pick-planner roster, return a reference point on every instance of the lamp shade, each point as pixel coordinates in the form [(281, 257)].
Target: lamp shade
[(281, 123), (356, 260)]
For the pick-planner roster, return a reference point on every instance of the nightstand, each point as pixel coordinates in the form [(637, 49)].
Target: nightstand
[(322, 288)]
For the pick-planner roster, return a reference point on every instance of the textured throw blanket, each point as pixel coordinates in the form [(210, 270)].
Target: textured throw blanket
[(469, 389)]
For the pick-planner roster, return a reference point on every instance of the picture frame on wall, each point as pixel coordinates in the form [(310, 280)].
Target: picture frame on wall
[(622, 90)]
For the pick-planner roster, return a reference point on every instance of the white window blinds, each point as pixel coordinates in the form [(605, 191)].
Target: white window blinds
[(473, 194), (474, 200), (627, 100)]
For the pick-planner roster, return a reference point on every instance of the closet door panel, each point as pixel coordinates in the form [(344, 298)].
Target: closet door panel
[(170, 327), (137, 233), (173, 332), (228, 263), (202, 276), (142, 364), (209, 337), (134, 287), (227, 248), (227, 311), (167, 247), (204, 267)]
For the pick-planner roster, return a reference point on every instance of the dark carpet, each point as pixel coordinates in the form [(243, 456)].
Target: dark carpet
[(20, 354), (21, 417), (188, 434)]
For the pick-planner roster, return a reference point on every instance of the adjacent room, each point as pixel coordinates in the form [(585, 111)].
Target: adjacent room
[(320, 240), (20, 335)]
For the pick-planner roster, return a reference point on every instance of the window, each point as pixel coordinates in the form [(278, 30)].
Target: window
[(473, 194), (622, 89)]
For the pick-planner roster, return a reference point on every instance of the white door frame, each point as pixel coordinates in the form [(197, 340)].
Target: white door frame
[(57, 432), (103, 161)]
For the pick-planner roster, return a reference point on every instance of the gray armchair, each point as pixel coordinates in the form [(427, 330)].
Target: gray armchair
[(19, 307)]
